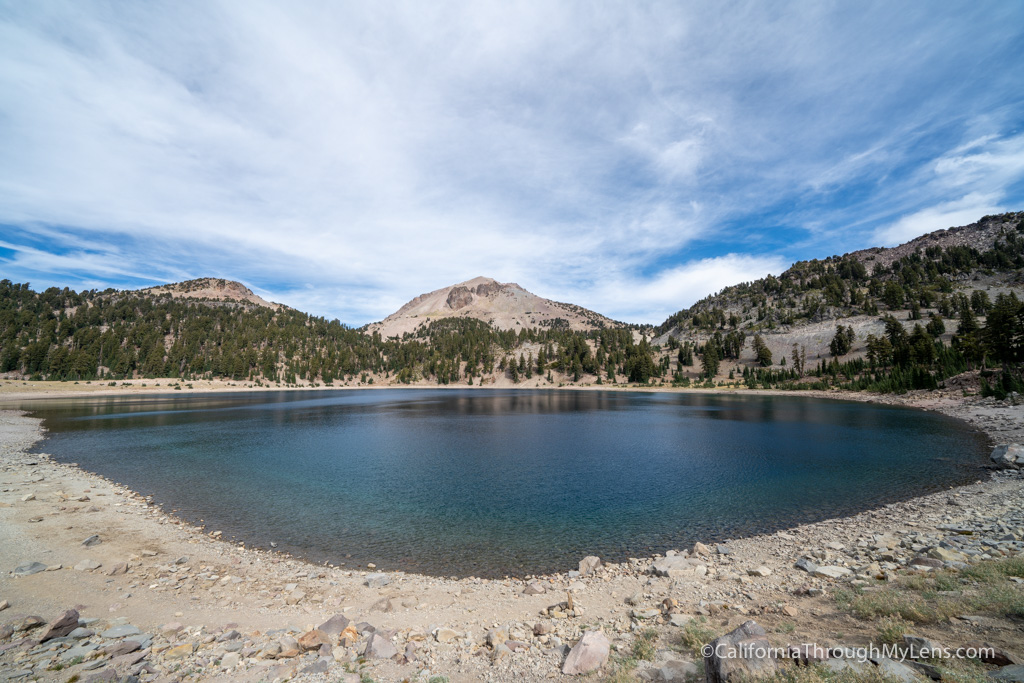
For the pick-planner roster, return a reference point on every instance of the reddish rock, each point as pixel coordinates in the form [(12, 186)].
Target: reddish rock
[(312, 640), (61, 626)]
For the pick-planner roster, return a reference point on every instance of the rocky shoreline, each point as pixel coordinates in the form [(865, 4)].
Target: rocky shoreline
[(125, 589)]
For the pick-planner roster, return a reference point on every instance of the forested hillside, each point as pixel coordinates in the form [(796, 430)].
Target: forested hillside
[(896, 319), (61, 334)]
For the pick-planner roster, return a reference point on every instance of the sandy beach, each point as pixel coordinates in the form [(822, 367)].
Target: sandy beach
[(161, 600)]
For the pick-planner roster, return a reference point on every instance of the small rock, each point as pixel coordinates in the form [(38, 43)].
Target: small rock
[(1010, 674), (676, 671), (893, 670), (379, 647), (122, 648), (761, 571), (832, 572), (678, 567), (312, 640), (931, 562), (1008, 456), (91, 541), (179, 652), (87, 566), (946, 555), (29, 568), (120, 631), (807, 565), (335, 625), (118, 569), (376, 580), (533, 588), (589, 564), (679, 620)]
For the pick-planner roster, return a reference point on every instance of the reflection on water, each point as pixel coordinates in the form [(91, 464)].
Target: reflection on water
[(496, 482)]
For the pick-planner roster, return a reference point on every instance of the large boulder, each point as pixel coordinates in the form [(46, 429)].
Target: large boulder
[(679, 567), (742, 653), (589, 564), (1008, 456), (589, 654)]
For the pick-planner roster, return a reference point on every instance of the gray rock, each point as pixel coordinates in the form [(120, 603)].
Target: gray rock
[(83, 650), (230, 660), (589, 564), (533, 588), (894, 670), (91, 541), (676, 671), (807, 565), (832, 572), (320, 666), (1008, 456), (679, 620), (679, 567), (589, 654), (737, 655), (379, 647), (922, 561), (121, 647), (837, 665), (922, 648), (87, 565), (335, 625), (1013, 673), (376, 580), (120, 631), (81, 632), (29, 568)]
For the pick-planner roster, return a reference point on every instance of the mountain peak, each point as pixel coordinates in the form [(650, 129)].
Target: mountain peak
[(506, 305), (211, 288)]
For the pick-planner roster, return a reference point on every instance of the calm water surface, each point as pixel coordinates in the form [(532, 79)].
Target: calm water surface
[(491, 482)]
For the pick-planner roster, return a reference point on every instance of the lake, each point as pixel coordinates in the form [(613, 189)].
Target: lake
[(505, 482)]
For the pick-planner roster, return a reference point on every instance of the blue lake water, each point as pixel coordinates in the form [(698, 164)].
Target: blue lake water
[(493, 482)]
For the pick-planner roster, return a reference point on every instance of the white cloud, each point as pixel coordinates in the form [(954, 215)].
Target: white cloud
[(643, 300), (962, 211), (343, 158)]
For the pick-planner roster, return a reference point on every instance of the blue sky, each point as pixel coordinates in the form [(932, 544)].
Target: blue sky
[(631, 157)]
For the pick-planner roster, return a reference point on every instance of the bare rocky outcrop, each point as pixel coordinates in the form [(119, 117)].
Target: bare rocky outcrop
[(211, 290), (459, 297), (506, 305)]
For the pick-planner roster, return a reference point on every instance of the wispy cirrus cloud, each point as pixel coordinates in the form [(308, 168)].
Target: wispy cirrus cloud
[(344, 158)]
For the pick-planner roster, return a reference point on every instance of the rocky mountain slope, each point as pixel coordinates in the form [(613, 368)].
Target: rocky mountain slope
[(211, 290), (505, 305)]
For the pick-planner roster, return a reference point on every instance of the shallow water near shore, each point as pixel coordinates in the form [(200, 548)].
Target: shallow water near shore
[(505, 482)]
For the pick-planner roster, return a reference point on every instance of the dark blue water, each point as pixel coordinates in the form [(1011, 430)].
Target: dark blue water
[(458, 482)]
